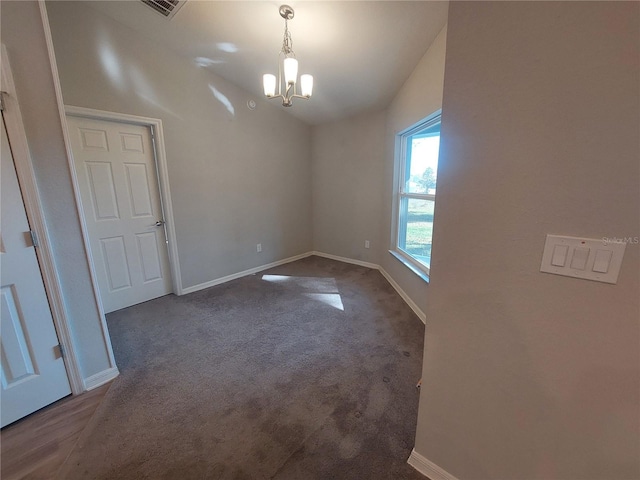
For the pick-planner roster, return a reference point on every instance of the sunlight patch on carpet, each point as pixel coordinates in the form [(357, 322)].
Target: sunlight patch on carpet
[(332, 299), (322, 289)]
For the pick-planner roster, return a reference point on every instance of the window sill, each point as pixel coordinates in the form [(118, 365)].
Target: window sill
[(410, 266)]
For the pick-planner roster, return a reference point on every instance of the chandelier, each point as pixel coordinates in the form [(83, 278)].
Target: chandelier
[(288, 64)]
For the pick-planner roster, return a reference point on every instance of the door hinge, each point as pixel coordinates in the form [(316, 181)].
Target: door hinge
[(60, 352), (34, 238)]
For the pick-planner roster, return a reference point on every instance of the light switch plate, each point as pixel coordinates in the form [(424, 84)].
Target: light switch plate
[(587, 258)]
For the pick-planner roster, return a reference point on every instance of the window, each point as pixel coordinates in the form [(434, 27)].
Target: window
[(417, 164)]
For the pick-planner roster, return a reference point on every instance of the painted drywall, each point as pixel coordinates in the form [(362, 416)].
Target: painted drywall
[(526, 374), (420, 96), (353, 174), (23, 36), (237, 177), (347, 166)]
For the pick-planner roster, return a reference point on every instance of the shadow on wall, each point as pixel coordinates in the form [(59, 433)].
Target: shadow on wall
[(522, 400), (603, 432)]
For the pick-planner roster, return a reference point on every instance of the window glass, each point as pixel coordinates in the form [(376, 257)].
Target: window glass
[(418, 163), (415, 238), (422, 163)]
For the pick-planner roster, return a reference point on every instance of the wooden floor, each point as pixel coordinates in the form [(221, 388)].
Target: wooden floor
[(37, 446)]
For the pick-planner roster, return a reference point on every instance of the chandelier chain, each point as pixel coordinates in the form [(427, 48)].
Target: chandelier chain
[(287, 42)]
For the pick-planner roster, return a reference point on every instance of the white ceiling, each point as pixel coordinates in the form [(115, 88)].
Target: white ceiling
[(359, 52)]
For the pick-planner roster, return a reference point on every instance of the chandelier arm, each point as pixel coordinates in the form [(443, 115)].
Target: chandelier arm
[(289, 95)]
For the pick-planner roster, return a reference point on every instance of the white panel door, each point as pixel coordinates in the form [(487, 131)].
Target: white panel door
[(121, 201), (33, 372)]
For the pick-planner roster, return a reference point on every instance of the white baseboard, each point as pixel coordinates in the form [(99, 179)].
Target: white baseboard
[(346, 260), (94, 381), (244, 273), (421, 315), (428, 468)]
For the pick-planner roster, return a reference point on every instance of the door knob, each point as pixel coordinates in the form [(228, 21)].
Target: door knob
[(159, 223)]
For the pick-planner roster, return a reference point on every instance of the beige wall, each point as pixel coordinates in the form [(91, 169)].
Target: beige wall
[(237, 177), (526, 374), (353, 173), (347, 166), (420, 96), (23, 36)]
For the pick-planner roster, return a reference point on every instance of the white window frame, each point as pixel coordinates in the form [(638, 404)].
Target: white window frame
[(400, 224)]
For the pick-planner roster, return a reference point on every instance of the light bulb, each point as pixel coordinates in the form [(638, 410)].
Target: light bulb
[(306, 84), (290, 70), (269, 84)]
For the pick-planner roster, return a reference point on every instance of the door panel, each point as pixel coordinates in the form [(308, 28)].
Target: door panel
[(33, 373), (137, 179), (103, 192), (121, 198), (149, 255), (115, 259), (17, 360)]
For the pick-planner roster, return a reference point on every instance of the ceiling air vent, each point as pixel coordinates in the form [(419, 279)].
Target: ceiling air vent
[(166, 8)]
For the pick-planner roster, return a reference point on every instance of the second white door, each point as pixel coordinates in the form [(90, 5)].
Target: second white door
[(121, 200), (33, 373)]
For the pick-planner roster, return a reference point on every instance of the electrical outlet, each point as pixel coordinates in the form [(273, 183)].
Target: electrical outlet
[(366, 244), (259, 247)]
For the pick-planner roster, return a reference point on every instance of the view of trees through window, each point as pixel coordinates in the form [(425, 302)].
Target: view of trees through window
[(418, 191)]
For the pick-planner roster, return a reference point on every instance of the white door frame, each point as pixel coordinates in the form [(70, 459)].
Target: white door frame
[(157, 138), (33, 207)]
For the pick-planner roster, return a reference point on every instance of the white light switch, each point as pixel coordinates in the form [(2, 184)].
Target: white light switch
[(588, 258), (602, 261), (559, 257), (580, 257)]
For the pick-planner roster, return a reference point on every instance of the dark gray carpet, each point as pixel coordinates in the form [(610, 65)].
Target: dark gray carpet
[(305, 371)]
